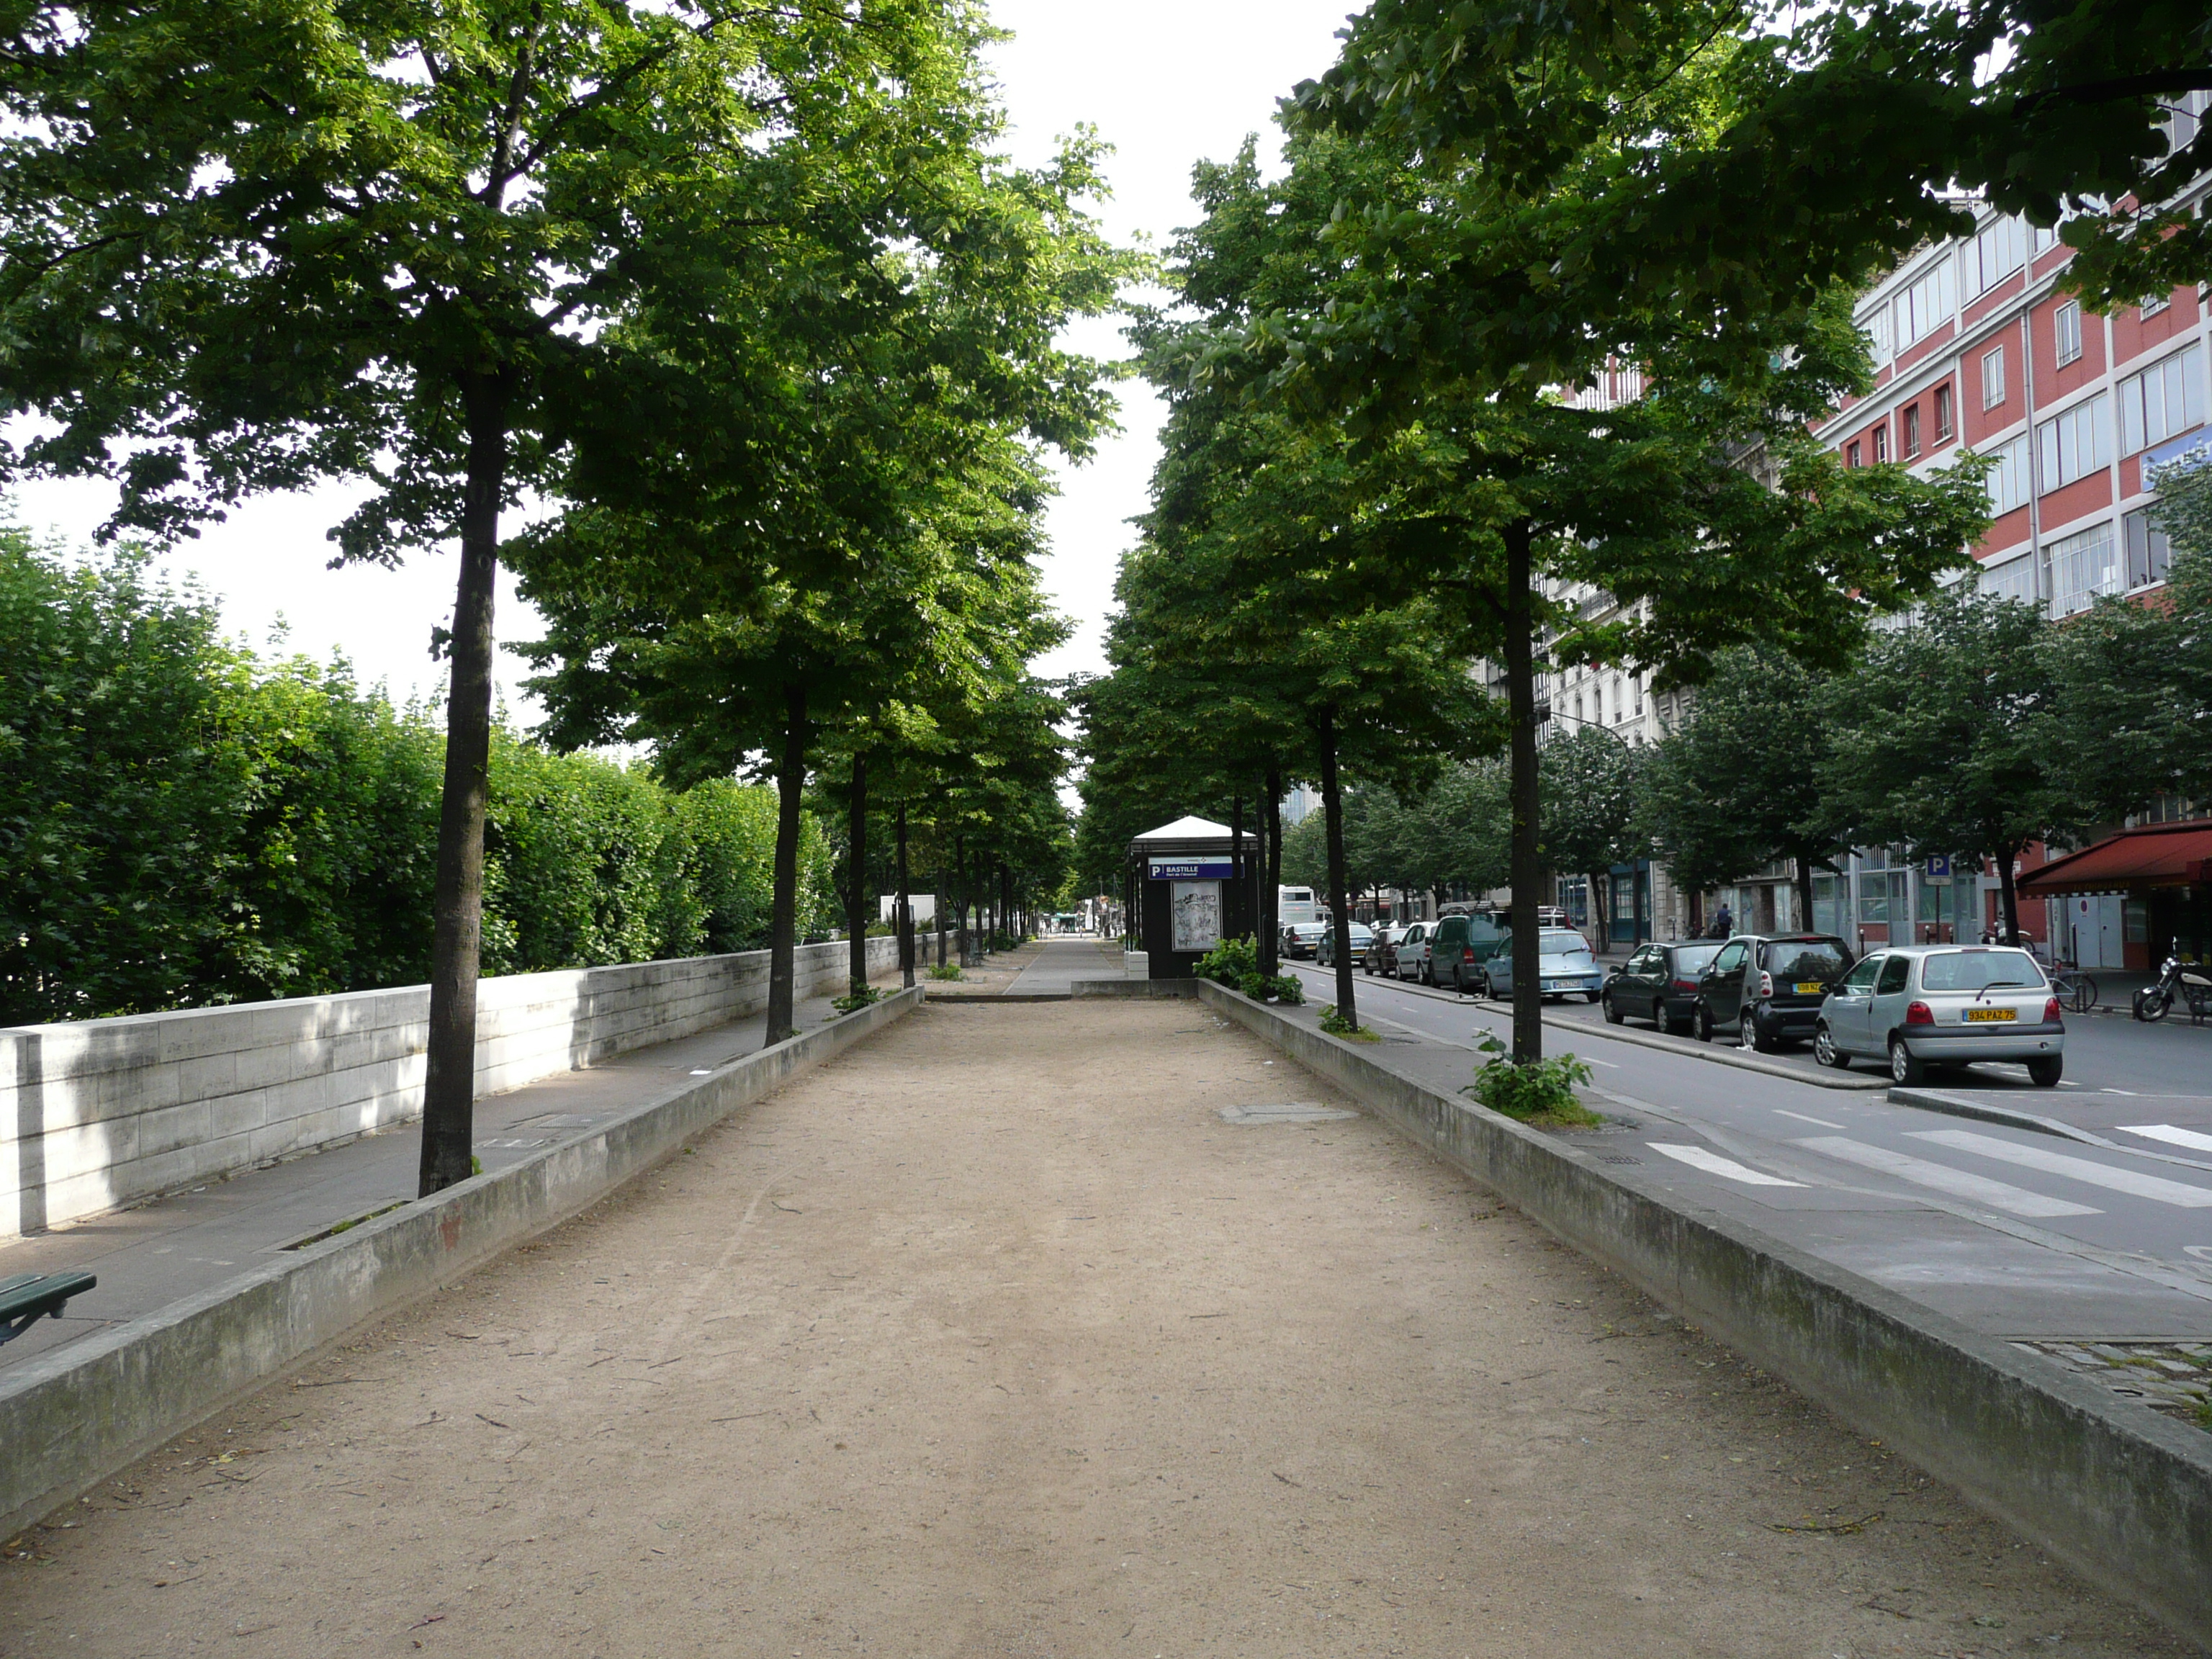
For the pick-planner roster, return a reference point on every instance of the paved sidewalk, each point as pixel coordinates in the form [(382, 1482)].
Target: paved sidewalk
[(1064, 960), (158, 1252), (922, 1356)]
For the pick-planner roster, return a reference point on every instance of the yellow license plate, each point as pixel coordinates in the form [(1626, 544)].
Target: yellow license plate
[(1808, 987), (1983, 1015)]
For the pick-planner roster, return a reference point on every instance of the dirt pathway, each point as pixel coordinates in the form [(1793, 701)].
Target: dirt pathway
[(993, 1338)]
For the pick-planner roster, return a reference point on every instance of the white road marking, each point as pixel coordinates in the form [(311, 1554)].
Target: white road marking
[(1610, 1066), (1713, 1163), (2074, 1169), (2194, 1139), (1997, 1195), (2130, 1093), (1784, 1112)]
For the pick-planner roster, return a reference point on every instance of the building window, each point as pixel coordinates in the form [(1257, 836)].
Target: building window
[(2013, 579), (2066, 322), (1851, 454), (2155, 303), (1999, 250), (1880, 444), (1943, 414), (1993, 379), (1911, 430), (2074, 444), (1636, 684), (2082, 567), (1927, 304), (2148, 555), (2166, 398), (2007, 482)]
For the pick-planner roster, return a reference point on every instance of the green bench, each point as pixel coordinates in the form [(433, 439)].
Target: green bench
[(26, 1298)]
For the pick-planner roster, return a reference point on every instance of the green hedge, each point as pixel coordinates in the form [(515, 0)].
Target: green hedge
[(182, 823)]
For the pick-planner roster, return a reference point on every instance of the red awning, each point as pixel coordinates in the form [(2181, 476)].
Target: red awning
[(2156, 855)]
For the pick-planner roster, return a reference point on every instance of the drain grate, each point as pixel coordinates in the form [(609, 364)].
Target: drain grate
[(1617, 1158)]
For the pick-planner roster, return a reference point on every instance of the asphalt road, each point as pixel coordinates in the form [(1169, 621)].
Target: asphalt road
[(2017, 1233)]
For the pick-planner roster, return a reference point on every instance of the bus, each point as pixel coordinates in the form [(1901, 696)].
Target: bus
[(1296, 905)]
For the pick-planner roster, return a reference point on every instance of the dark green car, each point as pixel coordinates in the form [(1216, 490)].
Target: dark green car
[(1459, 946)]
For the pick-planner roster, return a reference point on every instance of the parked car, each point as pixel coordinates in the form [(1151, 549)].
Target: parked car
[(1458, 946), (1566, 966), (1359, 937), (1383, 955), (1660, 983), (1919, 1005), (1409, 953), (1766, 990), (1302, 939)]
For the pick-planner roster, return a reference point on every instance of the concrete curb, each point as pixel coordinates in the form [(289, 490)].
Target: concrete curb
[(72, 1418), (1134, 988), (1932, 1100), (2119, 1492)]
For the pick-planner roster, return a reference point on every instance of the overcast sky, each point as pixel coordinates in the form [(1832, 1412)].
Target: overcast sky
[(1167, 82)]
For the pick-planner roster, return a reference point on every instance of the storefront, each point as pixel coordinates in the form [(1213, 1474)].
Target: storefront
[(2126, 900)]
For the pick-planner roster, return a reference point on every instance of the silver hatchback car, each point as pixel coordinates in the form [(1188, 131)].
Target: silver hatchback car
[(1918, 1006)]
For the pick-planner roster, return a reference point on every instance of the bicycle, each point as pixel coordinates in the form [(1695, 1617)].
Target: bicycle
[(2076, 990)]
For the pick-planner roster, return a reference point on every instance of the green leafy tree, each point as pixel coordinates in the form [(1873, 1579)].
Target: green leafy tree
[(1939, 739), (1739, 786), (1590, 780)]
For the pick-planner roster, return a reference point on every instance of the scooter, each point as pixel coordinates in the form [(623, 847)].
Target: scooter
[(2190, 982)]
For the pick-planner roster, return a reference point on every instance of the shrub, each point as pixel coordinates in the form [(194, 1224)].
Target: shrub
[(856, 998), (1231, 962), (1282, 987), (1542, 1094), (945, 971)]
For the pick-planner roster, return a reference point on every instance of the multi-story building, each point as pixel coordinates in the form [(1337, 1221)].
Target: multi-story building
[(1976, 347)]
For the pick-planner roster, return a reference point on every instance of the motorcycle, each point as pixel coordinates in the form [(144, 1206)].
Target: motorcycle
[(2190, 982)]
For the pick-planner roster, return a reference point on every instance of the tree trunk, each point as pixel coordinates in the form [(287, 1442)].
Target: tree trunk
[(1599, 893), (856, 922), (457, 899), (1271, 878), (942, 908), (782, 941), (1804, 894), (1339, 906), (1527, 853), (2008, 895), (905, 908), (1238, 869), (960, 875)]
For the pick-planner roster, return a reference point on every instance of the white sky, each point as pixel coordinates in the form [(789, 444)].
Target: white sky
[(1167, 82)]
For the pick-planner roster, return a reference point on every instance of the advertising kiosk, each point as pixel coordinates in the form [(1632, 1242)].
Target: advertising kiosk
[(1191, 883)]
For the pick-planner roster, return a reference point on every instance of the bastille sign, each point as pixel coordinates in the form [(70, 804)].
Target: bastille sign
[(1192, 869)]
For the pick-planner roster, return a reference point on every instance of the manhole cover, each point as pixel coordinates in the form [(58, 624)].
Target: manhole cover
[(1296, 1111)]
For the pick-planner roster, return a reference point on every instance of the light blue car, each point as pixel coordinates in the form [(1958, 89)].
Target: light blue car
[(1567, 967)]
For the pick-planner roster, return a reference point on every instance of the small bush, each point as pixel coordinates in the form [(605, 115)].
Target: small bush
[(1338, 1026), (1230, 962), (1003, 942), (945, 971), (857, 997), (1541, 1094), (1282, 987)]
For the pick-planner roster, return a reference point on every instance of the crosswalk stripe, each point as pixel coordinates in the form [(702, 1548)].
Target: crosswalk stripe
[(1997, 1195), (1713, 1163), (2193, 1139), (2074, 1169)]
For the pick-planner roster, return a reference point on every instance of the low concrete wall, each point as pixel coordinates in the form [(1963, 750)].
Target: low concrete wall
[(1134, 988), (101, 1113), (2120, 1492), (71, 1418)]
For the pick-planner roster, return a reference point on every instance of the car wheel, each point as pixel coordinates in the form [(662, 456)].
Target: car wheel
[(1825, 1052), (1756, 1039), (2045, 1070), (1904, 1070), (1701, 1024), (1667, 1021), (1611, 1008)]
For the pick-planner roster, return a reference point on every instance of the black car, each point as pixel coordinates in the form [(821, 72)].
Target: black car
[(1767, 990), (1660, 983)]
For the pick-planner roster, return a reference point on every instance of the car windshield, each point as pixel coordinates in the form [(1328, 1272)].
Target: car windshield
[(1691, 958), (1560, 944), (1979, 970), (1815, 958)]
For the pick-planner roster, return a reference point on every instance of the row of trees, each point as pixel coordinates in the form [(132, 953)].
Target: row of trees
[(183, 823), (743, 295), (1377, 468)]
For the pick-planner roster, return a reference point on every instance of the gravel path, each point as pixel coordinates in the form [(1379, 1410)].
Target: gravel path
[(992, 1338)]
